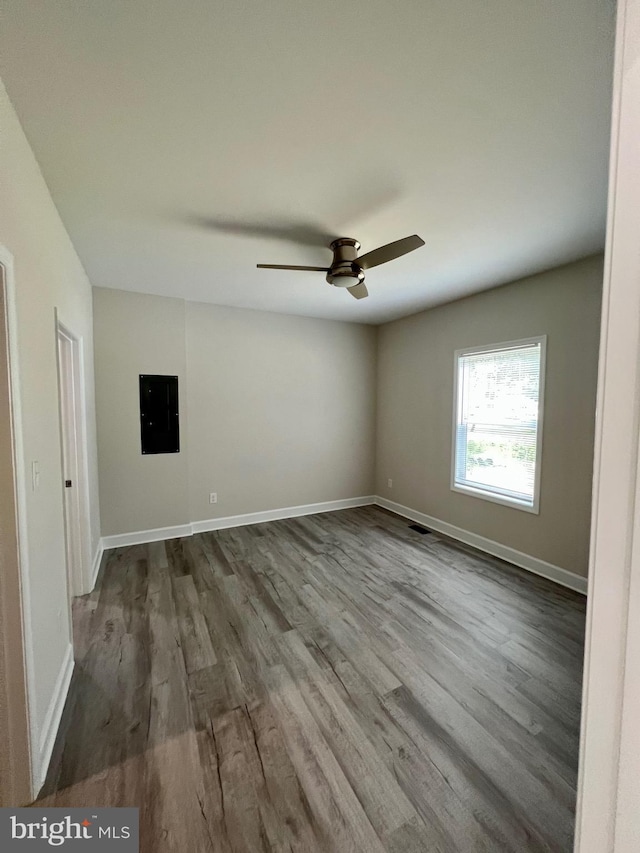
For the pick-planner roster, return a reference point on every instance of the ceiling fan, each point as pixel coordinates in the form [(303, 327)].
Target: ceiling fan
[(347, 269)]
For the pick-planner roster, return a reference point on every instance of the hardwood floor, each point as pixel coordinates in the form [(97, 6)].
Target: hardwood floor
[(336, 682)]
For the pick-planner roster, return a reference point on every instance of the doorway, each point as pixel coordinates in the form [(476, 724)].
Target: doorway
[(73, 461), (15, 761)]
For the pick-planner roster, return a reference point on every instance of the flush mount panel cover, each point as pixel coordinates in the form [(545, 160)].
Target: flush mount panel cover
[(159, 414)]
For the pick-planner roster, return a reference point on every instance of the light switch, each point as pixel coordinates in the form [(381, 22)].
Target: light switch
[(35, 475)]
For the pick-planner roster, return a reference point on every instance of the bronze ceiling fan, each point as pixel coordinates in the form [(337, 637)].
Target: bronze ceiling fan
[(347, 269)]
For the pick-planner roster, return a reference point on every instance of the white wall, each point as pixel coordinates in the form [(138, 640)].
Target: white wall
[(415, 406), (275, 410), (48, 276)]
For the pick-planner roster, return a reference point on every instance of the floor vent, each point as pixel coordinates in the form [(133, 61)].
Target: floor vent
[(419, 529)]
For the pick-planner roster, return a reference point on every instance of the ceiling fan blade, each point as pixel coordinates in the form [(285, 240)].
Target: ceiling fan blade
[(358, 290), (390, 252), (285, 267)]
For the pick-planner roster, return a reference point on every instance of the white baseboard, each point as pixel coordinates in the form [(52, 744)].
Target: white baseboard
[(52, 719), (142, 536), (95, 567), (277, 514), (496, 549), (139, 537)]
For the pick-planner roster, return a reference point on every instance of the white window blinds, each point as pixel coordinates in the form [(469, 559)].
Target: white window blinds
[(496, 436)]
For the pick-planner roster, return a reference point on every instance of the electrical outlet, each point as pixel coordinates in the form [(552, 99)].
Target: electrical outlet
[(390, 483), (213, 498)]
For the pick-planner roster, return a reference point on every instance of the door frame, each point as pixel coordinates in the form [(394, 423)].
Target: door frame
[(25, 729), (608, 813), (78, 553)]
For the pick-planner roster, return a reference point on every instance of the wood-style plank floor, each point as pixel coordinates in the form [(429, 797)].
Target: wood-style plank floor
[(336, 683)]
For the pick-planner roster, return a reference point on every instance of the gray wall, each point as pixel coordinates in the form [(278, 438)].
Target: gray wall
[(136, 334), (281, 410), (275, 410), (415, 406)]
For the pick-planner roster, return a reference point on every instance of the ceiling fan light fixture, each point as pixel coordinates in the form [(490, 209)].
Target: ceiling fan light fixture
[(347, 274)]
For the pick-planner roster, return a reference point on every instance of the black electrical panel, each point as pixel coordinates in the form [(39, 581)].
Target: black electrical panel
[(159, 423)]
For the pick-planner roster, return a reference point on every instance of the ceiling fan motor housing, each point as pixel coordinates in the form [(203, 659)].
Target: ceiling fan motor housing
[(345, 271)]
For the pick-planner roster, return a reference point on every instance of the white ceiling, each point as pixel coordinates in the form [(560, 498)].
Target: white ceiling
[(481, 125)]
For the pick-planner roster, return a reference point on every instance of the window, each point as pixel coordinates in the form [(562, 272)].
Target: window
[(498, 422)]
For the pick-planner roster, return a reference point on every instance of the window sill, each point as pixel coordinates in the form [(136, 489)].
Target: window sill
[(514, 503)]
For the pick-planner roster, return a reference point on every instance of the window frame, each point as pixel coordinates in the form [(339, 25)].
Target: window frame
[(480, 492)]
